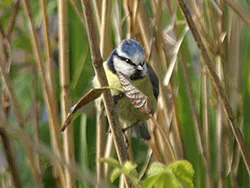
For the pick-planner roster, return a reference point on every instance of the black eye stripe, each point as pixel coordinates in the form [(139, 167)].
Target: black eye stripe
[(126, 59)]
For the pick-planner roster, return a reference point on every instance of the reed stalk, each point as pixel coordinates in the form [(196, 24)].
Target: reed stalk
[(100, 73), (51, 106), (64, 69), (10, 158)]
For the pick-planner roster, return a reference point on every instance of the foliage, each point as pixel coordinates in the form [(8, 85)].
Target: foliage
[(177, 174)]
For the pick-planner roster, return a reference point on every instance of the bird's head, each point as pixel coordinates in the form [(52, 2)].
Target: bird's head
[(129, 59)]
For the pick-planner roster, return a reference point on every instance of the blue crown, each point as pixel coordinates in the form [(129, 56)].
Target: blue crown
[(131, 47)]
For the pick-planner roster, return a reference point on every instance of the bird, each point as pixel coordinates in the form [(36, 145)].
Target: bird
[(128, 58)]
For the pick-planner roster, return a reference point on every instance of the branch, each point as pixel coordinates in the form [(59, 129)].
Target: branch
[(101, 76)]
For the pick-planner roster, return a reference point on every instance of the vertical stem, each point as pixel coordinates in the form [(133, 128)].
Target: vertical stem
[(64, 83), (100, 144), (51, 106), (104, 31), (12, 19), (116, 18), (101, 76), (206, 132), (196, 121), (49, 64), (97, 8), (10, 158), (101, 119), (17, 112), (128, 15), (220, 135), (35, 122), (77, 9), (108, 153)]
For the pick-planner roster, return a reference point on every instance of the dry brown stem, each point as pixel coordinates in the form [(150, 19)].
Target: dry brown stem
[(64, 68), (51, 106), (100, 73)]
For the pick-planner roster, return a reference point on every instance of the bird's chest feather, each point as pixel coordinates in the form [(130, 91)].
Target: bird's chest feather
[(126, 110)]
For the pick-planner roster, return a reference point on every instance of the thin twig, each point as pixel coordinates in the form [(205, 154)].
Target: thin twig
[(219, 130), (129, 18), (10, 158), (35, 122), (64, 84), (205, 121), (11, 94), (109, 150), (238, 9), (104, 31), (146, 164), (196, 121), (116, 18), (12, 19), (217, 84), (101, 119), (77, 9), (167, 144), (97, 4), (101, 76), (100, 143)]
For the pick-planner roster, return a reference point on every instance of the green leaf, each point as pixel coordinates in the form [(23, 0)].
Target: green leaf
[(128, 169), (115, 174), (111, 161), (159, 175), (184, 172), (175, 175)]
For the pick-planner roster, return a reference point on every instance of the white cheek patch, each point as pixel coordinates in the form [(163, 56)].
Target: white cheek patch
[(122, 67)]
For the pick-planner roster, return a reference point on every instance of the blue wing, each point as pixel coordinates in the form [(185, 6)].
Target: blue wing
[(154, 80)]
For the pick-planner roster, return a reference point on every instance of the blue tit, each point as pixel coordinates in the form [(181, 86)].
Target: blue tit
[(129, 59)]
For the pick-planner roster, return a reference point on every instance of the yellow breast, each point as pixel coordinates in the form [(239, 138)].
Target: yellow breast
[(126, 111)]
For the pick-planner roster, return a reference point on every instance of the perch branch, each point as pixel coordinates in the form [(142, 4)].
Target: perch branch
[(100, 73)]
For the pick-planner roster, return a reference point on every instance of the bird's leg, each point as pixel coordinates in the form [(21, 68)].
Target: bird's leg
[(124, 135), (127, 128), (117, 97), (126, 140)]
